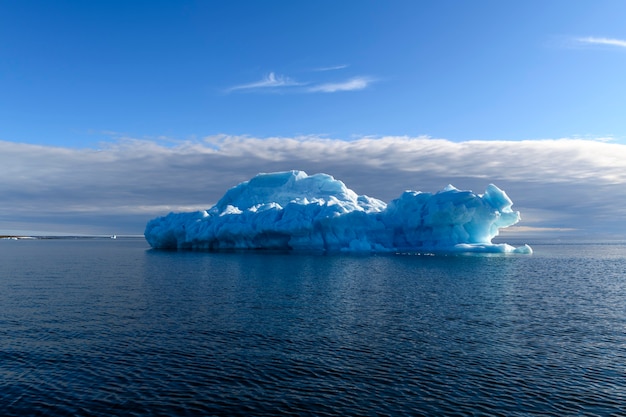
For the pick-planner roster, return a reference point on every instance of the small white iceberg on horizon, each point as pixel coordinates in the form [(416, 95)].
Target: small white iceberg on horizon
[(294, 211)]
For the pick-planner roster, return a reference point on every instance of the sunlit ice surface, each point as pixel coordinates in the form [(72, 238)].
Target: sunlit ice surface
[(295, 211)]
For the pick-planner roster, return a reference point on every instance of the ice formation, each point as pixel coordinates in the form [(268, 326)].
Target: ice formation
[(294, 211)]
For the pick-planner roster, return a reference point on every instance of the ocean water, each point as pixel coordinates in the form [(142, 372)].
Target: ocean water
[(100, 327)]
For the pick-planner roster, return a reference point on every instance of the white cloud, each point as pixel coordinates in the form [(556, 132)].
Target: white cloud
[(560, 184), (270, 81), (602, 41), (356, 83), (331, 68)]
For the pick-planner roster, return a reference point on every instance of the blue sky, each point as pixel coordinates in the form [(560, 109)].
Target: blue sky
[(152, 91)]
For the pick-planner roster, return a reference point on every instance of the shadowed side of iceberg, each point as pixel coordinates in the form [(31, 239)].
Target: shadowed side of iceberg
[(294, 211)]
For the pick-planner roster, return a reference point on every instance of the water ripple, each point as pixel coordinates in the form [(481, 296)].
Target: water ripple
[(163, 334)]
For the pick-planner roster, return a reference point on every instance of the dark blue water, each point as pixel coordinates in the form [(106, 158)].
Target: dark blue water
[(109, 327)]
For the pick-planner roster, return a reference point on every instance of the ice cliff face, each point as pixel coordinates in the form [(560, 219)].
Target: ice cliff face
[(294, 211)]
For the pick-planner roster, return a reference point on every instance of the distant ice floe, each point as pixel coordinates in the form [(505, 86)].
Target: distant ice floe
[(295, 211)]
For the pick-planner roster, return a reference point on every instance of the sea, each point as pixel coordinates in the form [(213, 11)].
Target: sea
[(101, 327)]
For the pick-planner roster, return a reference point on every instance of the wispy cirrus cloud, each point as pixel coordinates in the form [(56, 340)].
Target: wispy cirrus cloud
[(271, 81), (356, 83), (331, 68), (591, 40)]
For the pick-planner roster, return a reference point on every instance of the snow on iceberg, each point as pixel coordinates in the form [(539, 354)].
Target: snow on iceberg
[(294, 211)]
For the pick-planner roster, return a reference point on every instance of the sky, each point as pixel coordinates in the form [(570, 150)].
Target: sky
[(115, 112)]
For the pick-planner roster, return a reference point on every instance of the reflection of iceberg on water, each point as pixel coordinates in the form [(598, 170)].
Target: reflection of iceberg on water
[(294, 211)]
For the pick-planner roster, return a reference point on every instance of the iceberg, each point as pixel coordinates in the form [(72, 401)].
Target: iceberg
[(295, 211)]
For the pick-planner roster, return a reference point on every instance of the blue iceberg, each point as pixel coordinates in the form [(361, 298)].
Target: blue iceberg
[(295, 211)]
